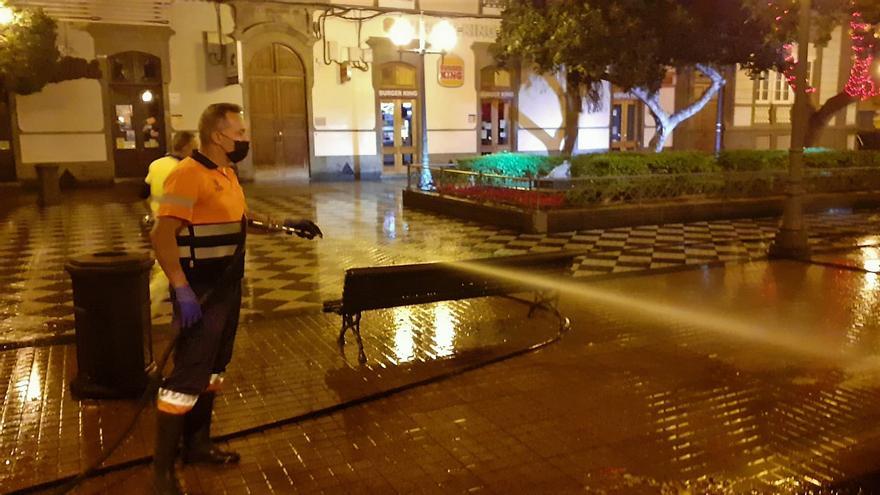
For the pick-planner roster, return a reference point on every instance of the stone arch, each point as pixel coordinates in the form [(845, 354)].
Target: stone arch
[(257, 37)]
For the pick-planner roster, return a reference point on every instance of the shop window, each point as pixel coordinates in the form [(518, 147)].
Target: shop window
[(496, 107)]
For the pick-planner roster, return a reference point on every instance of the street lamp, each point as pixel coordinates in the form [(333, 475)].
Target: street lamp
[(442, 40), (791, 240), (7, 15)]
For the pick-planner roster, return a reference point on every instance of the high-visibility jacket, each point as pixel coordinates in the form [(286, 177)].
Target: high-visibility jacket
[(210, 200)]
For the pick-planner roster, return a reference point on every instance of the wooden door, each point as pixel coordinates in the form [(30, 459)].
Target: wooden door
[(702, 125), (7, 156), (494, 131), (279, 121), (138, 128), (626, 125), (400, 134), (137, 123)]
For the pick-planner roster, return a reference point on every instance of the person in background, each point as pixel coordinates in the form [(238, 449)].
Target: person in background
[(182, 146)]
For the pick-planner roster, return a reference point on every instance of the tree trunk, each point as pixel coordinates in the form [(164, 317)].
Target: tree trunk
[(820, 118), (573, 106), (667, 123)]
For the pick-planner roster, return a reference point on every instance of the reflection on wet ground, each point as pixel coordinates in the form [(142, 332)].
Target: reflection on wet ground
[(629, 402), (365, 225), (283, 368), (752, 377)]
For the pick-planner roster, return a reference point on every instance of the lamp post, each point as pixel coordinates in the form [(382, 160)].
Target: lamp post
[(791, 240), (442, 40)]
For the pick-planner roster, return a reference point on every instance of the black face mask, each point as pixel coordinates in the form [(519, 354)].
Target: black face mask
[(239, 152)]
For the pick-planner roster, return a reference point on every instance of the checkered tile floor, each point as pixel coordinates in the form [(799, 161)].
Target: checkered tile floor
[(364, 225)]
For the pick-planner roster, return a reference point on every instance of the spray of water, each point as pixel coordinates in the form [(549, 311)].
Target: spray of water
[(655, 311)]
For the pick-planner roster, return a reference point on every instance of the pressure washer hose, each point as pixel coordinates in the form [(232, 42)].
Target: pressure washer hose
[(154, 373), (95, 469)]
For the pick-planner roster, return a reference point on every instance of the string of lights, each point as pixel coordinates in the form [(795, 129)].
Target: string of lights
[(862, 84)]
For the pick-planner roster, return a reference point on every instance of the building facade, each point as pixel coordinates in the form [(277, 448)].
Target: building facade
[(756, 113), (328, 96)]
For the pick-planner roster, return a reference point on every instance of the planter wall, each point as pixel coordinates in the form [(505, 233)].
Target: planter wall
[(565, 220)]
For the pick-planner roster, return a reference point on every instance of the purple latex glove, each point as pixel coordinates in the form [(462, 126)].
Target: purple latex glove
[(188, 303)]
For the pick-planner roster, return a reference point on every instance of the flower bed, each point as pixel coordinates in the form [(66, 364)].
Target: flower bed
[(515, 197)]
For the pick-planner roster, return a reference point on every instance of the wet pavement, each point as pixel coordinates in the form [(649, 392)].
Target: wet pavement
[(754, 377), (365, 225), (679, 376)]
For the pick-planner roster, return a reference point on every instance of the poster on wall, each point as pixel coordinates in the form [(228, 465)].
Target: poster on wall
[(450, 72)]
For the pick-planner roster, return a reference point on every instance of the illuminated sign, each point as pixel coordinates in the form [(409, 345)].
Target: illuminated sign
[(450, 73)]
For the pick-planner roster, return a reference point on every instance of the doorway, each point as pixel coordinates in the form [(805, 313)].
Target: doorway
[(138, 115), (494, 125), (7, 157), (278, 113), (399, 133), (626, 125)]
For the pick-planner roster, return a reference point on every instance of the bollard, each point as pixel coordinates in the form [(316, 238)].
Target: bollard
[(111, 296), (49, 189)]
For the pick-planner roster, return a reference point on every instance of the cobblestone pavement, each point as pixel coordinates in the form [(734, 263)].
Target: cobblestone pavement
[(283, 368), (752, 376), (756, 377), (365, 225)]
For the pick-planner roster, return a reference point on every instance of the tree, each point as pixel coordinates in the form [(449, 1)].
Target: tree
[(632, 43), (28, 51), (861, 19), (542, 35), (29, 56)]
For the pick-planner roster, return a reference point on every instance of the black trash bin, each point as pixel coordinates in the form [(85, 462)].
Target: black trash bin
[(111, 297)]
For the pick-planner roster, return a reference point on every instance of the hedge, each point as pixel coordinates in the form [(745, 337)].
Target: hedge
[(667, 162), (511, 164)]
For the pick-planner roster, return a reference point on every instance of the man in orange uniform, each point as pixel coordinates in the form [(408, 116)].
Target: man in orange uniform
[(199, 242)]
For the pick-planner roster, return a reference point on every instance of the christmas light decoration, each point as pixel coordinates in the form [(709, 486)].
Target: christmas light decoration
[(862, 83), (789, 72)]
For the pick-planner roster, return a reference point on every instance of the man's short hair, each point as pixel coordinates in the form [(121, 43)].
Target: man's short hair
[(181, 140), (213, 117)]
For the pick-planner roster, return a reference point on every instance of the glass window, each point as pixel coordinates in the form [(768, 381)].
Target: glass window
[(616, 122), (120, 70), (486, 122), (398, 75), (387, 110), (630, 122), (492, 78), (151, 69), (135, 67), (502, 122), (125, 135), (406, 123), (763, 87)]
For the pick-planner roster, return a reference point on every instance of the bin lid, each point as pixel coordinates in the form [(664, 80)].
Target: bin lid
[(110, 261)]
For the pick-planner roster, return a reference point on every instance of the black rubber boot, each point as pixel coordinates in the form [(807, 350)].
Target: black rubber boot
[(197, 445), (168, 429)]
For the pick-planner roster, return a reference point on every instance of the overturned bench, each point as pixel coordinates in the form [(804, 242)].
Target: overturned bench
[(404, 285)]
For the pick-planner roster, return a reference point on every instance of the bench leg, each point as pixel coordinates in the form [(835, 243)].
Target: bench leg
[(362, 356), (548, 299), (353, 322)]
